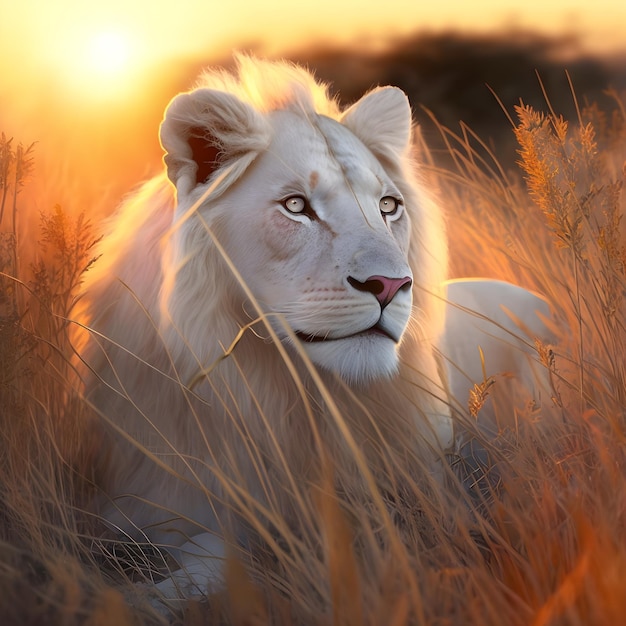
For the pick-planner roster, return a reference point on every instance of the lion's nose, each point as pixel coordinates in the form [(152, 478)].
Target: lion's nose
[(383, 287)]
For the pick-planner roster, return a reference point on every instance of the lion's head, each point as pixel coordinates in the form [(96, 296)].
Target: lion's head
[(313, 207), (289, 209)]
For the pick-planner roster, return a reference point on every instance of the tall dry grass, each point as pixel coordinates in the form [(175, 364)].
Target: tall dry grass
[(530, 528)]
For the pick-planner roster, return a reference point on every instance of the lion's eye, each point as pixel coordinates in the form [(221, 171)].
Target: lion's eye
[(389, 206), (295, 204)]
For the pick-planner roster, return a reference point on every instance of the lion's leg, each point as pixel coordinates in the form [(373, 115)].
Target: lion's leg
[(201, 569)]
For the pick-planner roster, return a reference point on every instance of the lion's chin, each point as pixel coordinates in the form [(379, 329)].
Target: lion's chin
[(358, 360)]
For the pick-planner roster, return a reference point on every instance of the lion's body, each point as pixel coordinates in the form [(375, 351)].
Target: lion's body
[(164, 305), (282, 207)]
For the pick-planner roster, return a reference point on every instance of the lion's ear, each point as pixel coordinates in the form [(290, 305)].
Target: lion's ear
[(204, 129), (381, 119)]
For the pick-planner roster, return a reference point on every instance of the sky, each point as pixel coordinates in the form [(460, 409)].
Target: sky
[(60, 37), (88, 79), (55, 26)]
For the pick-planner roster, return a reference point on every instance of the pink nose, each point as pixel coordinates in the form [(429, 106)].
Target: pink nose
[(382, 287)]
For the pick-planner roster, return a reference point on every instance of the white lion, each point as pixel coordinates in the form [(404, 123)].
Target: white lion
[(281, 294)]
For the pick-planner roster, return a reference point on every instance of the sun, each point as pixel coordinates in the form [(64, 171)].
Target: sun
[(100, 64), (109, 52)]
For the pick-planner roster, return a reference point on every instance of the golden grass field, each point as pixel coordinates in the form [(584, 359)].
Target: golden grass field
[(534, 535)]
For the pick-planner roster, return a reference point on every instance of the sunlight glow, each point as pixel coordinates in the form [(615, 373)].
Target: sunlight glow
[(109, 52), (102, 64)]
